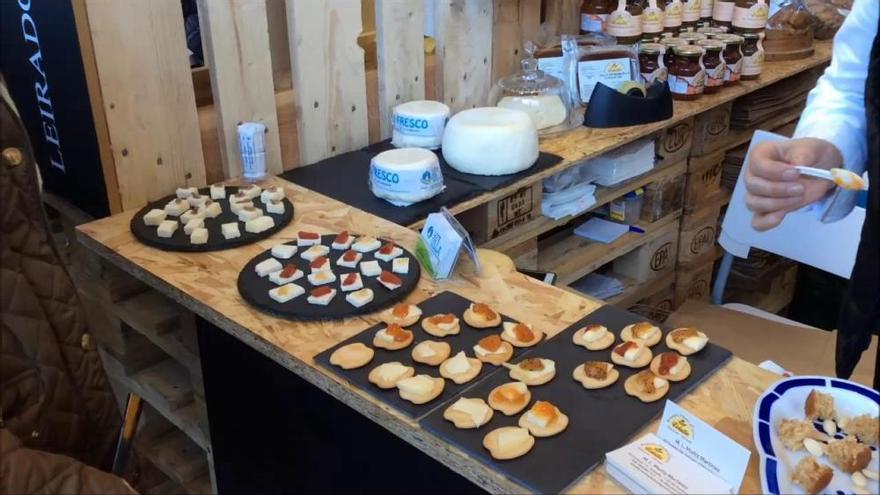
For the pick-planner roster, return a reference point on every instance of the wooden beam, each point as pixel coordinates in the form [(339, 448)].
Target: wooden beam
[(464, 49), (401, 56), (279, 45), (145, 80), (238, 55), (328, 77), (563, 16)]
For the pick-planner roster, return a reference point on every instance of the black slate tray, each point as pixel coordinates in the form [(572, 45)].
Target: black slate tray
[(255, 289), (599, 420), (445, 302), (179, 241)]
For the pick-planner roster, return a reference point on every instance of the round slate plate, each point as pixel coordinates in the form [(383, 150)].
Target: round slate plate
[(255, 289), (180, 241)]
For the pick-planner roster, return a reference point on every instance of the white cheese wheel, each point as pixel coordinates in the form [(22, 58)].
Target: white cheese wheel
[(545, 110), (490, 141), (418, 124), (405, 176)]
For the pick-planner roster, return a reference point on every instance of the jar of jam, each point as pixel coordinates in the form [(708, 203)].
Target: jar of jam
[(722, 13), (692, 38), (690, 14), (594, 14), (668, 55), (733, 57), (750, 16), (672, 16), (610, 65), (652, 21), (651, 64), (687, 76), (753, 55), (713, 61), (706, 13), (625, 23)]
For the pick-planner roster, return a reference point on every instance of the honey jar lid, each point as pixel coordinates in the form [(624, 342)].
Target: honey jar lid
[(687, 50), (652, 48), (711, 44), (730, 39), (673, 41)]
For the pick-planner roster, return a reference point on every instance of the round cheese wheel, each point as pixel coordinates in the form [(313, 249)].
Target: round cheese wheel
[(418, 124), (545, 110), (490, 141), (406, 175)]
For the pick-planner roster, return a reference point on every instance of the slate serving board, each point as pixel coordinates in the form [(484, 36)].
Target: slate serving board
[(179, 241), (444, 302), (255, 289), (599, 420)]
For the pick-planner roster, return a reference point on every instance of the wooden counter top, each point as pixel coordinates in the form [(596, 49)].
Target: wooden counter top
[(206, 284)]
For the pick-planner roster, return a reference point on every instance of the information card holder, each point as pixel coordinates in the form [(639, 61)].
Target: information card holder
[(611, 108), (440, 243)]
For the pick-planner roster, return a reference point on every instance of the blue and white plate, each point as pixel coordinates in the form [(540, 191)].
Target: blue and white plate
[(785, 400)]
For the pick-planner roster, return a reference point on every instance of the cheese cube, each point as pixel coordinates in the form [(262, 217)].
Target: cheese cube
[(212, 209), (195, 223), (322, 277), (185, 192), (259, 224), (154, 217), (235, 206), (285, 276), (273, 193), (323, 298), (199, 236), (268, 266), (371, 268), (166, 228), (191, 214), (176, 207), (400, 265), (251, 191), (230, 230), (395, 252), (315, 252), (197, 200), (360, 297), (351, 282), (366, 244), (276, 207), (283, 251), (307, 238), (286, 293), (349, 259), (218, 191), (249, 213)]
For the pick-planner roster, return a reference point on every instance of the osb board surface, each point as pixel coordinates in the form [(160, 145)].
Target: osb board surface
[(205, 283)]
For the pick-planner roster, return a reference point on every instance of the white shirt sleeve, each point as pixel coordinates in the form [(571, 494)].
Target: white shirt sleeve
[(835, 108)]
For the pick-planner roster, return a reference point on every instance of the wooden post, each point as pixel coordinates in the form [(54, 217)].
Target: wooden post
[(401, 56), (329, 82), (464, 50), (563, 15), (238, 56), (143, 68), (515, 22)]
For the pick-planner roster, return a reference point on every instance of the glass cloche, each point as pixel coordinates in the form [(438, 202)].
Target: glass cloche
[(544, 97)]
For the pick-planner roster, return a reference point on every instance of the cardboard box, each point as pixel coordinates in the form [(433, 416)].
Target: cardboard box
[(699, 233), (674, 143), (711, 129), (703, 179), (694, 283), (504, 214), (651, 260)]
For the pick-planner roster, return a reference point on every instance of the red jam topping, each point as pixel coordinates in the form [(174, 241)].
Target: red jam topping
[(289, 271), (350, 255), (321, 291), (387, 248), (622, 348), (491, 343), (440, 319), (318, 262), (523, 333), (390, 278), (342, 238), (401, 310), (668, 360), (484, 310), (397, 332), (350, 279), (308, 235)]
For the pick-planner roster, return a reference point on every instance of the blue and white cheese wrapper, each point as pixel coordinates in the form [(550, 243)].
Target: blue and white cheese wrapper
[(405, 176), (418, 124)]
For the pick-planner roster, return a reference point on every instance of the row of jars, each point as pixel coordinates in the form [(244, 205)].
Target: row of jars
[(694, 64), (632, 20)]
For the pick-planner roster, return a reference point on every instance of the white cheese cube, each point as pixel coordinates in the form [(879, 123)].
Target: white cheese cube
[(235, 206), (185, 192), (273, 193), (166, 228), (191, 214), (322, 277), (366, 244), (400, 265), (218, 191), (268, 266), (197, 200), (275, 207), (249, 213), (230, 230), (176, 207), (199, 236), (212, 209), (259, 224), (371, 268), (349, 259), (154, 217), (195, 223), (323, 299), (360, 297), (251, 191), (283, 251), (286, 293), (304, 239), (351, 282), (315, 252), (280, 277), (395, 252)]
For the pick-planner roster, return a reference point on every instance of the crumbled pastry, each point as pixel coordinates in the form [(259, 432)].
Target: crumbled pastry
[(819, 406), (848, 454), (865, 427), (811, 476), (792, 432), (596, 370)]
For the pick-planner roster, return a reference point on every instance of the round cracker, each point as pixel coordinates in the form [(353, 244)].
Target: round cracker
[(682, 374), (681, 348), (597, 345), (478, 321), (436, 331), (393, 345), (627, 334), (519, 343), (643, 361), (490, 442), (351, 356), (591, 383), (505, 407), (496, 359), (388, 317), (631, 386), (459, 378), (442, 349), (439, 385), (521, 375), (464, 421), (556, 427), (377, 380)]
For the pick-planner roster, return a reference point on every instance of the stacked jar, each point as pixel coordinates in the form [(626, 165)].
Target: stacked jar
[(713, 61), (722, 13), (687, 75), (753, 55), (749, 20), (672, 17), (706, 13), (625, 22), (652, 22), (594, 15), (651, 65), (733, 57), (690, 15)]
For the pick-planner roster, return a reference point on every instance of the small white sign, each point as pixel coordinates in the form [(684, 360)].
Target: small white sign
[(442, 239)]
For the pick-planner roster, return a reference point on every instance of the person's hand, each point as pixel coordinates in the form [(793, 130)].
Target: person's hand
[(774, 187)]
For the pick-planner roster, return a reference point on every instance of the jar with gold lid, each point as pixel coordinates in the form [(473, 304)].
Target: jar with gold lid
[(733, 57), (753, 56), (687, 76), (668, 43), (711, 32), (651, 65), (713, 61)]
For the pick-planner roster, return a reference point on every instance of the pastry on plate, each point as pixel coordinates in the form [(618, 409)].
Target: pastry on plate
[(819, 406), (508, 442), (393, 338), (593, 337), (420, 389), (686, 340), (185, 192), (402, 314), (259, 224), (864, 427), (386, 375), (460, 368), (671, 366), (811, 476), (273, 193), (520, 334), (275, 207), (793, 432), (289, 273), (647, 386), (314, 252), (199, 236), (644, 333), (441, 325), (283, 251), (322, 277), (230, 230), (848, 454), (351, 356), (533, 371), (431, 352), (268, 266), (218, 191), (166, 228), (251, 190), (467, 414), (493, 350), (510, 398), (479, 315), (595, 374), (543, 420), (631, 354)]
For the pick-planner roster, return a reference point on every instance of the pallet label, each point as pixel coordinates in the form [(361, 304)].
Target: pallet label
[(705, 238), (662, 256), (676, 137), (513, 210)]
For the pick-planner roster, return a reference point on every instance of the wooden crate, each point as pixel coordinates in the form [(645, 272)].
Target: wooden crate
[(773, 297), (658, 306), (492, 219), (674, 143), (699, 231), (703, 180), (695, 282), (654, 259), (710, 130)]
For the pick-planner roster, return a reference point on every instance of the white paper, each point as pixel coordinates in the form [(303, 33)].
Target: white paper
[(601, 230), (599, 286)]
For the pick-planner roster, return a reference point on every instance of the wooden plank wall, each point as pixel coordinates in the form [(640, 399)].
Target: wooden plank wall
[(464, 50)]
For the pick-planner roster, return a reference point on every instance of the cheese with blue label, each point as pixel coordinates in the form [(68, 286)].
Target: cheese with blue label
[(418, 124), (406, 175)]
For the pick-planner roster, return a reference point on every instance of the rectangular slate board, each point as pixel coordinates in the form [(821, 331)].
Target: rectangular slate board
[(444, 302), (599, 420)]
